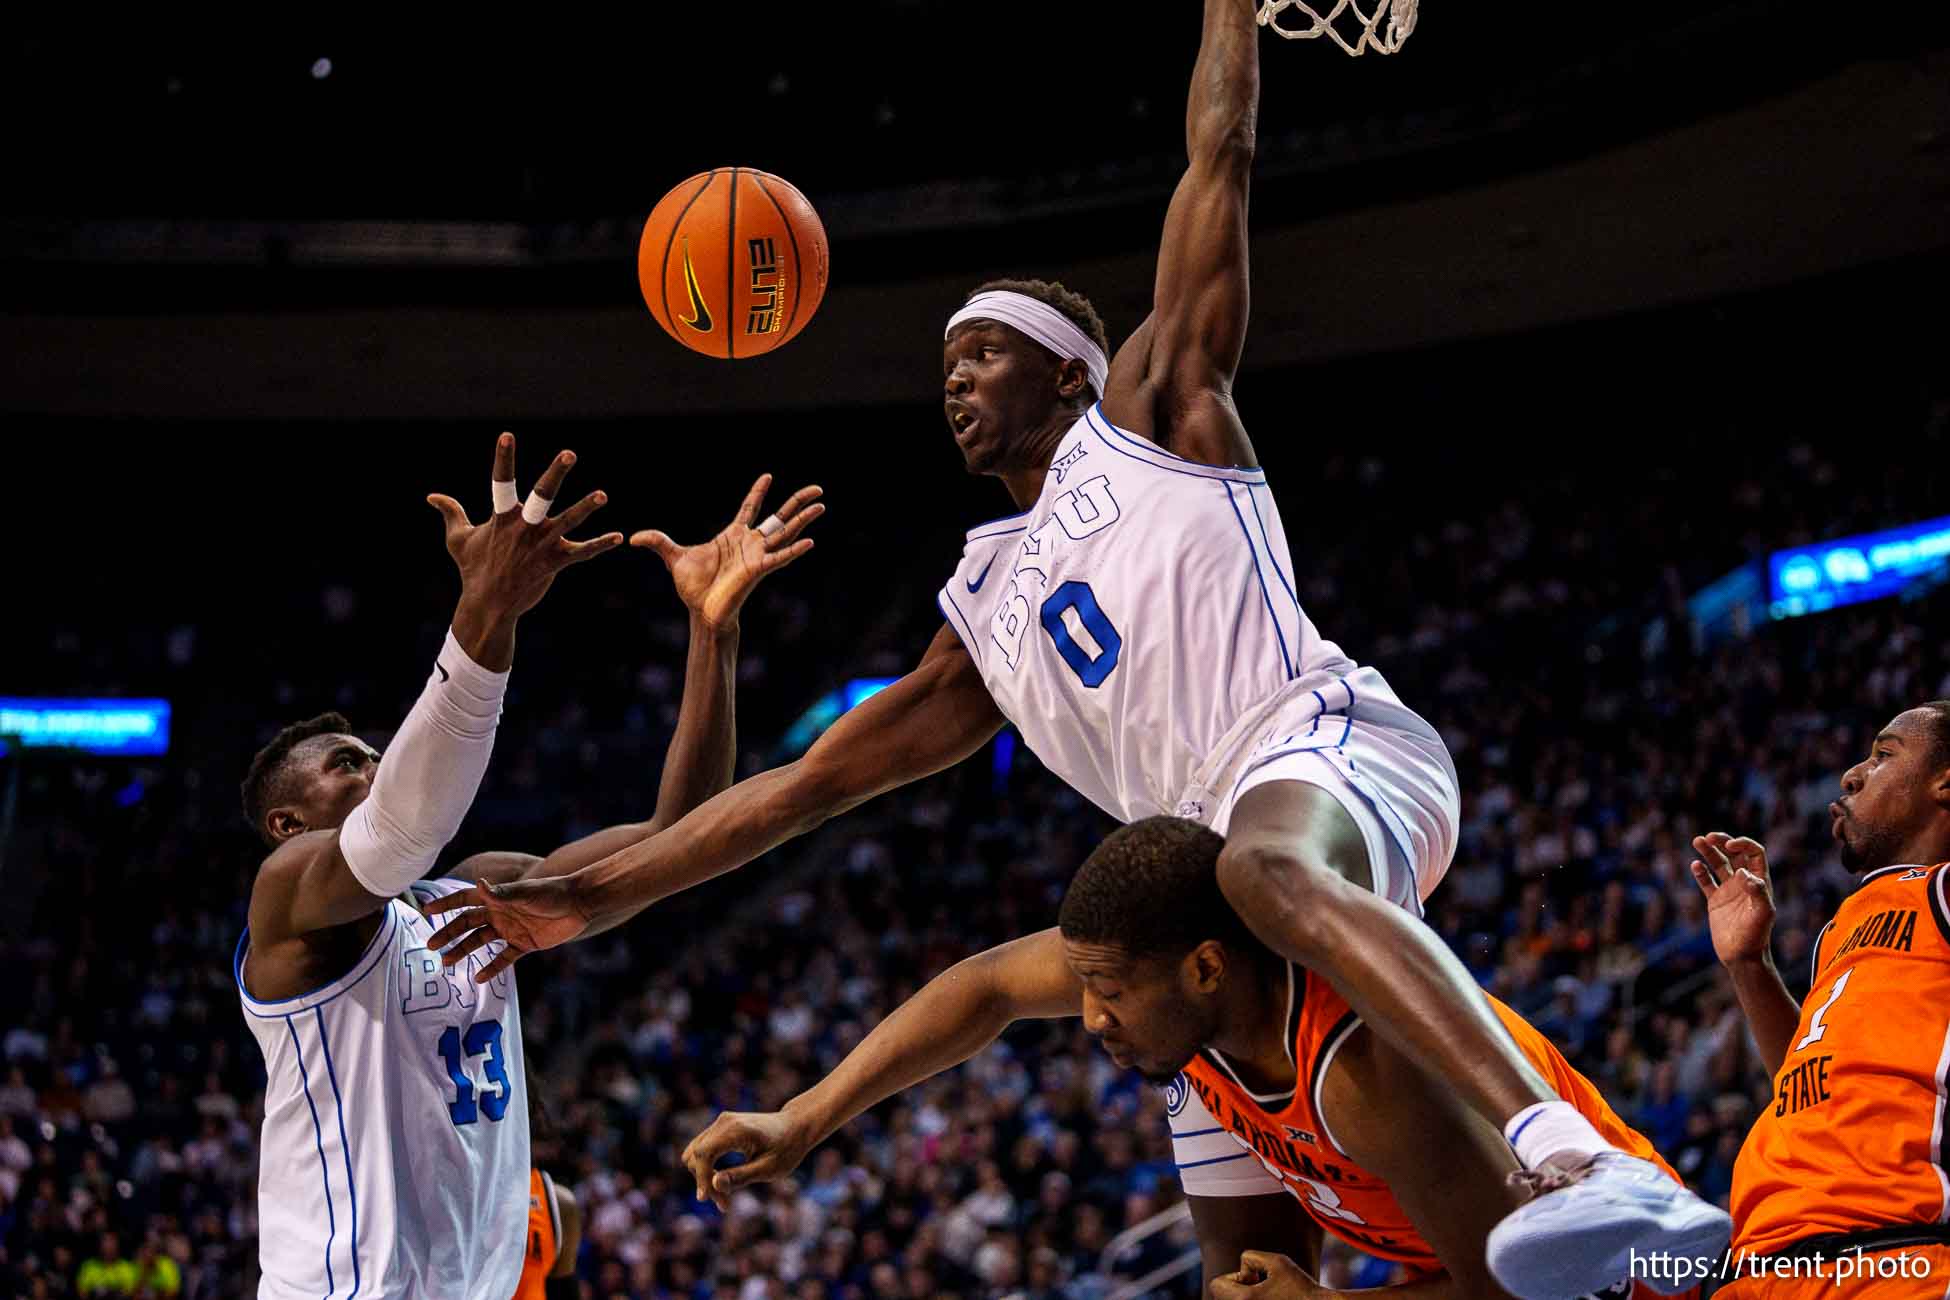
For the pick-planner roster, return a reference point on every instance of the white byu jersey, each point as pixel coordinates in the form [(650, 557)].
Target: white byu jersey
[(394, 1157), (1134, 616)]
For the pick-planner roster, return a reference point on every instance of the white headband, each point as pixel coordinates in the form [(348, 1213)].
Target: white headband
[(1041, 322)]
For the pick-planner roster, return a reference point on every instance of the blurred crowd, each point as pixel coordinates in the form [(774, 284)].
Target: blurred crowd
[(1595, 732)]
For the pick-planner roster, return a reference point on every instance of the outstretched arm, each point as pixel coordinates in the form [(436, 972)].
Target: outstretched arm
[(317, 879), (959, 1012), (1172, 379), (932, 718), (713, 579)]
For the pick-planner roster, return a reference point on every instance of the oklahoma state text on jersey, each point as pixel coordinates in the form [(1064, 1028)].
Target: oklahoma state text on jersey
[(1293, 1140), (1854, 1139)]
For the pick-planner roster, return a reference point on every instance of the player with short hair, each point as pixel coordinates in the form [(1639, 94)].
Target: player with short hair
[(1138, 622), (394, 1158), (1306, 1120), (1842, 1180)]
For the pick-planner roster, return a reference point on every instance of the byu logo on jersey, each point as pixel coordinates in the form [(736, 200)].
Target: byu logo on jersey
[(1177, 1092), (1083, 511), (427, 985)]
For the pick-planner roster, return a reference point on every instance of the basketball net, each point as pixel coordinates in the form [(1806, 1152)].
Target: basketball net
[(1371, 33)]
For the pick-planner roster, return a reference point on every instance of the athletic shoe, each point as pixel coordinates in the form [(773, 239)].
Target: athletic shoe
[(1595, 1220)]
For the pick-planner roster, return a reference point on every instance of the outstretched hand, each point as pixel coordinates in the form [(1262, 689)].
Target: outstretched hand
[(713, 578), (1732, 872), (525, 915), (773, 1144), (508, 561)]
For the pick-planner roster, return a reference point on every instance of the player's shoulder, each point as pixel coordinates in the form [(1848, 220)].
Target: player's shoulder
[(1908, 884), (1202, 445), (438, 886), (290, 858), (283, 870), (1905, 881), (982, 546), (990, 530), (1888, 910)]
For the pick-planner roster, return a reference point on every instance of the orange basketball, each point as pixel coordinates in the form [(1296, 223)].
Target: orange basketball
[(732, 262)]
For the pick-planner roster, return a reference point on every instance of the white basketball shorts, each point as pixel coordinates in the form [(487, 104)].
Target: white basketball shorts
[(1349, 735)]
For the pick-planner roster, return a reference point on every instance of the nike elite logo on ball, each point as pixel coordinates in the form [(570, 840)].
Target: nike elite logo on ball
[(760, 235), (700, 317)]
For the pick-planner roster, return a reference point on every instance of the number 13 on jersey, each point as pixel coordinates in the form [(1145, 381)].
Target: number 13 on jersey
[(483, 1040)]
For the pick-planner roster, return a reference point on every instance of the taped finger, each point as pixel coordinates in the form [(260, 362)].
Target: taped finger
[(536, 507), (793, 527), (770, 525)]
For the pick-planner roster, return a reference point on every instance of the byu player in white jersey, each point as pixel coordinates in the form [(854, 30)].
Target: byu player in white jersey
[(1137, 622), (394, 1154)]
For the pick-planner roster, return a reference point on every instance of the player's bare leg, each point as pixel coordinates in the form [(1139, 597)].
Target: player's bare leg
[(1296, 869)]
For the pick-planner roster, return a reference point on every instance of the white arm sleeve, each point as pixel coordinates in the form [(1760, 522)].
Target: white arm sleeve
[(429, 776), (1211, 1162)]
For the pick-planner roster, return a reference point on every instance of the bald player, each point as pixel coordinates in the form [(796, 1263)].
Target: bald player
[(1841, 1187)]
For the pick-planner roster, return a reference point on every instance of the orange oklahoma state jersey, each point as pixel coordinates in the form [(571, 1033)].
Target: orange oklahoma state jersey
[(544, 1235), (1295, 1144), (1854, 1139)]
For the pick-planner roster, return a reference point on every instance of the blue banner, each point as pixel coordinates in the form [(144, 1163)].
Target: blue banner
[(120, 727), (1809, 579)]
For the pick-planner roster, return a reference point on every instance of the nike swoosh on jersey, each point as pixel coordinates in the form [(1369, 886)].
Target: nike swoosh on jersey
[(700, 317), (976, 585), (442, 670)]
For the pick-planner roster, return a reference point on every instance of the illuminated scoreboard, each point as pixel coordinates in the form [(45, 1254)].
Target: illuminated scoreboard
[(1809, 579), (116, 727)]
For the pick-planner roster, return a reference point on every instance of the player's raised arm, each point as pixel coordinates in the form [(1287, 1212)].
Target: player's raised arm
[(1188, 350), (935, 716), (1732, 873), (330, 866), (713, 579), (957, 1014)]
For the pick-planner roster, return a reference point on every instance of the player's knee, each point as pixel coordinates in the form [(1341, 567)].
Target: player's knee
[(1269, 879)]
